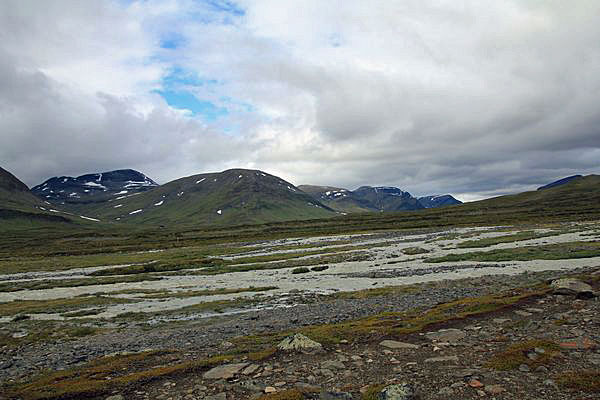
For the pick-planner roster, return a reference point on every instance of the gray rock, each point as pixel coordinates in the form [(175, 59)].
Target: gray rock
[(299, 342), (446, 335), (218, 396), (404, 391), (224, 371), (335, 396), (392, 344), (442, 359), (570, 286), (115, 397), (524, 368)]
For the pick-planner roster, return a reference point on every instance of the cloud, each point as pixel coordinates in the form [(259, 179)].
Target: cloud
[(477, 99)]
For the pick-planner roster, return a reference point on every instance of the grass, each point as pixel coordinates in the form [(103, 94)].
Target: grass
[(290, 394), (411, 251), (44, 332), (584, 380), (57, 305), (516, 355), (556, 251), (76, 282), (106, 374), (372, 392), (487, 242), (159, 266)]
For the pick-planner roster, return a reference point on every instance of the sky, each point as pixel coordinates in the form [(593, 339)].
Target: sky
[(474, 98)]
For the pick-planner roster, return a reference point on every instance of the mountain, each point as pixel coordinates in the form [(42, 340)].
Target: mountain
[(18, 206), (559, 182), (78, 193), (379, 198), (236, 196), (388, 198), (438, 201), (339, 199)]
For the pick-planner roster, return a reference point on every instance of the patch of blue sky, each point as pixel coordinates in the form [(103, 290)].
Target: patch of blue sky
[(179, 78), (226, 6), (172, 40), (184, 100)]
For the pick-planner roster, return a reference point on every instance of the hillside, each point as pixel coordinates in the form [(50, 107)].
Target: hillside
[(232, 197), (18, 206)]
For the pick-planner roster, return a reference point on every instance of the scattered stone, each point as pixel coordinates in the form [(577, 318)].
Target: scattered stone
[(500, 321), (494, 389), (218, 396), (404, 391), (523, 313), (570, 287), (307, 387), (550, 382), (524, 368), (446, 335), (442, 359), (335, 396), (250, 369), (224, 371), (535, 310), (541, 369), (447, 391), (474, 383), (332, 364), (579, 344), (299, 342), (226, 345), (392, 344), (115, 397), (270, 389)]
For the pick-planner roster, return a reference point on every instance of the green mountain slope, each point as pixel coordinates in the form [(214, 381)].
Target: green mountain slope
[(232, 197), (20, 208)]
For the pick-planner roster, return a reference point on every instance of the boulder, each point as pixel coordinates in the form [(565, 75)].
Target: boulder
[(404, 391), (392, 344), (446, 335), (571, 287), (300, 343), (224, 371)]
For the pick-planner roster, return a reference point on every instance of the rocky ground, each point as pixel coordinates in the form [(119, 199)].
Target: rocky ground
[(542, 348)]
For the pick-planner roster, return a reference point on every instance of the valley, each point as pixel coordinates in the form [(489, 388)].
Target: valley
[(90, 309)]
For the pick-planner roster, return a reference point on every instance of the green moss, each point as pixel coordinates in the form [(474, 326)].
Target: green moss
[(556, 251), (411, 251), (291, 394), (587, 380), (516, 354), (57, 305), (372, 391)]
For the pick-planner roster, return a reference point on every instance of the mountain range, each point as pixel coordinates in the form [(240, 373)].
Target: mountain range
[(378, 198), (232, 197)]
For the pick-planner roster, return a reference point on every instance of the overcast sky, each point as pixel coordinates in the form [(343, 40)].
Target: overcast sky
[(474, 98)]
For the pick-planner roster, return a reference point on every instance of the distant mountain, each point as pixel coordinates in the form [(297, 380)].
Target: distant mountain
[(236, 196), (438, 201), (378, 198), (559, 182), (93, 188), (342, 200)]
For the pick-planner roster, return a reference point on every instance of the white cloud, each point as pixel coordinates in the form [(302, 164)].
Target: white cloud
[(475, 98)]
